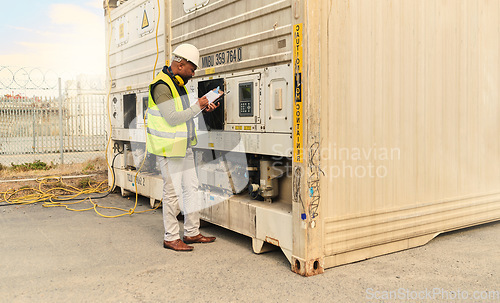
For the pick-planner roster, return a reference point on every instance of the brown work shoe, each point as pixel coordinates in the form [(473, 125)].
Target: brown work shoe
[(177, 245), (199, 239)]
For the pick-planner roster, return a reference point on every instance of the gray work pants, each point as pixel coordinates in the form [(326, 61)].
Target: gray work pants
[(180, 193)]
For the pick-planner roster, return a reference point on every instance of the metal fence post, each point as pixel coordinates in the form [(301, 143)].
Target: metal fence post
[(61, 137), (33, 104)]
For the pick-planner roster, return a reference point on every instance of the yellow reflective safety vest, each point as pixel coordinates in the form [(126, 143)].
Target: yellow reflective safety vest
[(163, 139)]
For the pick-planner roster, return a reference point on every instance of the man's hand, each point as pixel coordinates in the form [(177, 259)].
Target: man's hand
[(203, 102), (211, 107)]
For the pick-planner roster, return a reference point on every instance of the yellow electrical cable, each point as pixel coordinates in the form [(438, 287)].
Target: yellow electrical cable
[(109, 91), (49, 196), (132, 210), (145, 114), (156, 38)]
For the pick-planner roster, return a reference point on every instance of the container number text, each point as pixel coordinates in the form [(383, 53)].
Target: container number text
[(226, 57)]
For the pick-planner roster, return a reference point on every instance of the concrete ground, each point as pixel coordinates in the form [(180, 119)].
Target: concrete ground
[(55, 255)]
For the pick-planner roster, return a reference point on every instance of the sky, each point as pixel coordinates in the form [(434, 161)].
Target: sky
[(60, 35)]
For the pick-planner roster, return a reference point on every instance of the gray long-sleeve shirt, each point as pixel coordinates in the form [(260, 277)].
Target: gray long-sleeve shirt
[(166, 104)]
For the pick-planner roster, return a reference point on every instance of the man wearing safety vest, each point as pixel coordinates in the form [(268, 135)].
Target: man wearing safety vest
[(171, 134)]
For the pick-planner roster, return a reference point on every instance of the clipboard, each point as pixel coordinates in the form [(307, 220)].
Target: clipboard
[(212, 97)]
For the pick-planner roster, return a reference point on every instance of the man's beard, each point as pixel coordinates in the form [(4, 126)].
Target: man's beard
[(185, 79)]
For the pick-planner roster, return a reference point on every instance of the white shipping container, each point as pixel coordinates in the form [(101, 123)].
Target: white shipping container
[(367, 126)]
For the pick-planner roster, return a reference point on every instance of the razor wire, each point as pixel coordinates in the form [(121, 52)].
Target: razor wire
[(42, 79)]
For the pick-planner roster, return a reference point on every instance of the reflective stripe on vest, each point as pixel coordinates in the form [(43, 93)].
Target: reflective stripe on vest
[(160, 134), (154, 112), (162, 139)]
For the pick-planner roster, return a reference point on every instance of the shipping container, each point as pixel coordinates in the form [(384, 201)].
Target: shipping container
[(349, 129)]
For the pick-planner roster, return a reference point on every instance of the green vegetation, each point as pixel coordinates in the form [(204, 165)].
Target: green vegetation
[(84, 182), (89, 167), (95, 165), (36, 165)]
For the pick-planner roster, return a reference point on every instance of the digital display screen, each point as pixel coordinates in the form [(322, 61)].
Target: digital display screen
[(246, 92), (246, 99)]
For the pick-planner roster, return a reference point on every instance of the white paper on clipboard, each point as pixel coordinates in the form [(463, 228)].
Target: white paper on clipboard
[(213, 95)]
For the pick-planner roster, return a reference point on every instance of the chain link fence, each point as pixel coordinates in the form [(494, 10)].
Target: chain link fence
[(58, 118)]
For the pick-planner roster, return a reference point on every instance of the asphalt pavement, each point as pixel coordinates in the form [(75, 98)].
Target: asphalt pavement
[(55, 255)]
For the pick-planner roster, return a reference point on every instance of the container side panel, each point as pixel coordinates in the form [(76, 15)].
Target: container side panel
[(410, 119)]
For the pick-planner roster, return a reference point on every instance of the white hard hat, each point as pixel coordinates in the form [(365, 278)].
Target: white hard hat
[(188, 52)]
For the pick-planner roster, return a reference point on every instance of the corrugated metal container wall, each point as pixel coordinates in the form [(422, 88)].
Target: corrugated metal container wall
[(137, 37), (227, 25), (409, 121)]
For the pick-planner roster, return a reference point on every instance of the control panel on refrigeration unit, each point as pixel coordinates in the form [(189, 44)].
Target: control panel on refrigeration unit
[(245, 96)]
